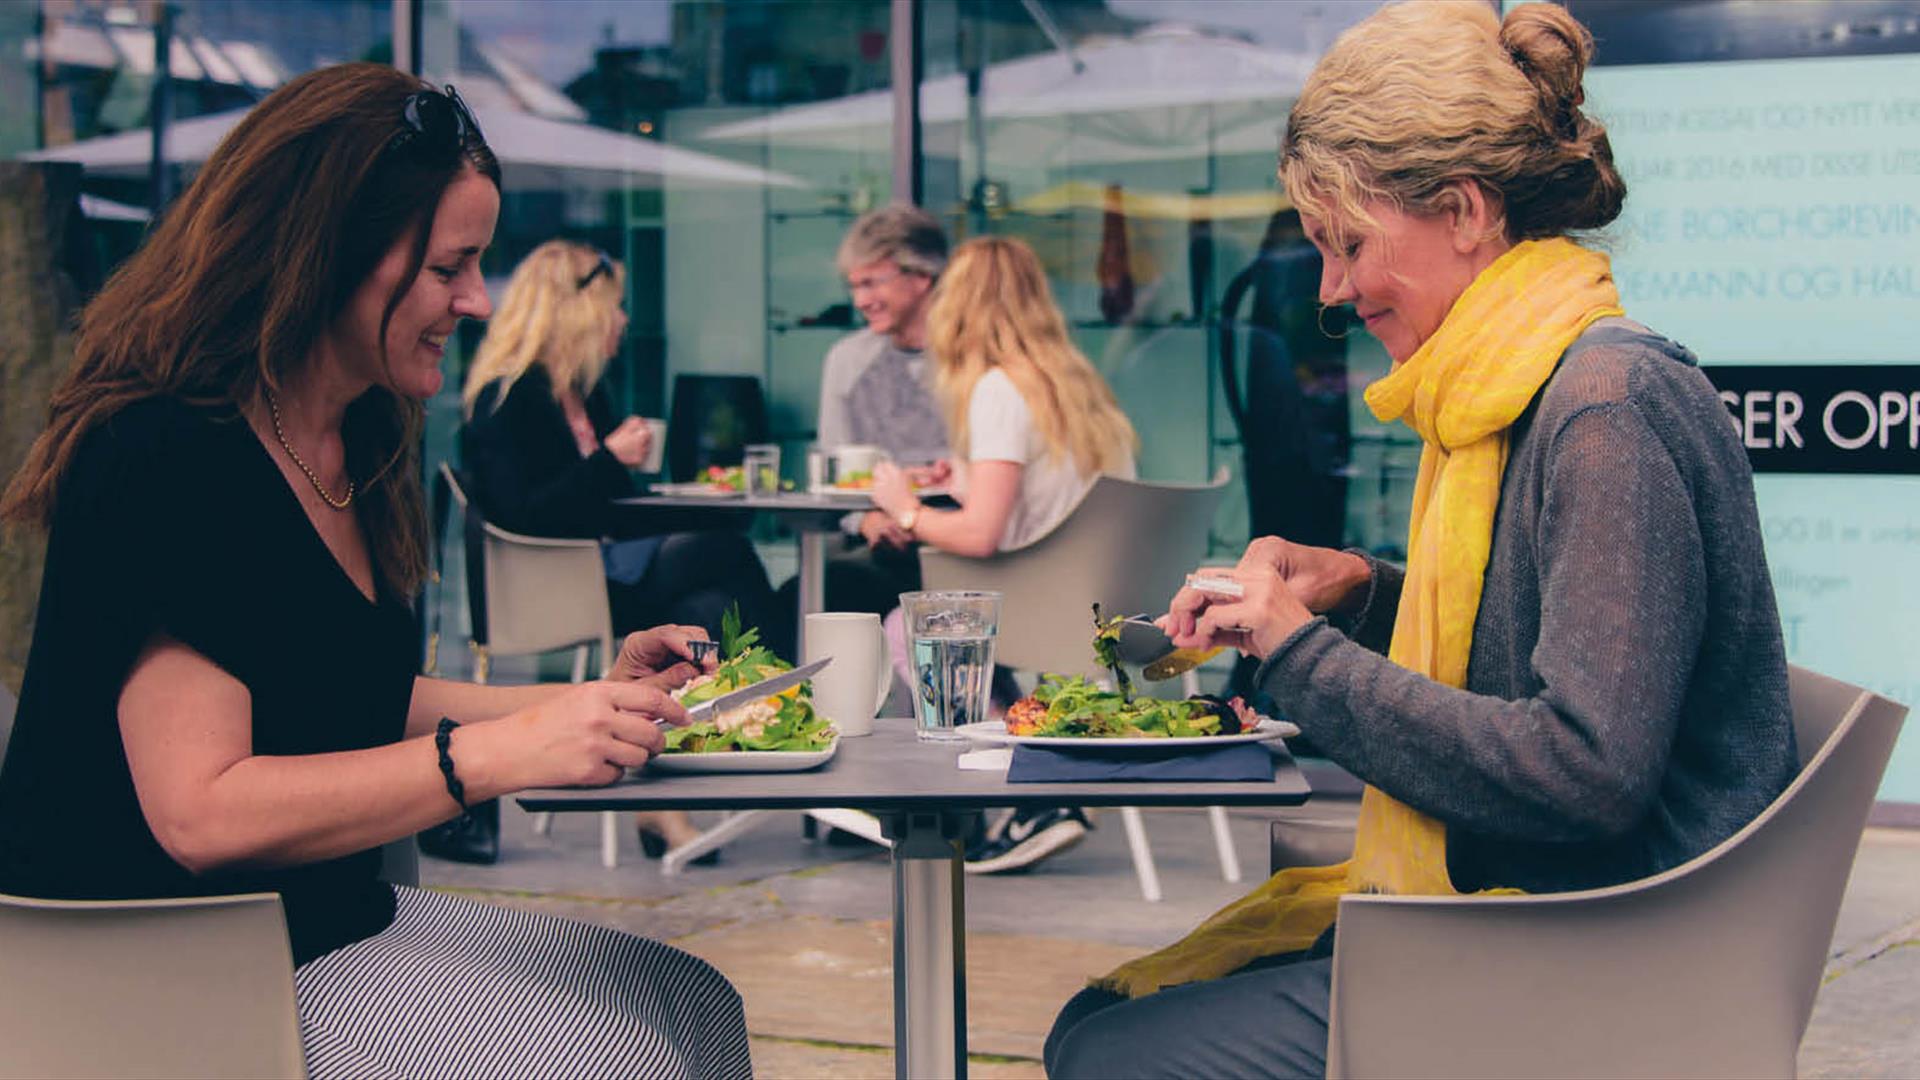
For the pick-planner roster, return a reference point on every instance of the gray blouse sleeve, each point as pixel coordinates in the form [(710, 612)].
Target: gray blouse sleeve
[(1623, 598)]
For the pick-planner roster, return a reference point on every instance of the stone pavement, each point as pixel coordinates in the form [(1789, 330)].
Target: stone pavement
[(802, 929)]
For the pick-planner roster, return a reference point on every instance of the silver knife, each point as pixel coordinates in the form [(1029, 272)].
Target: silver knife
[(765, 688)]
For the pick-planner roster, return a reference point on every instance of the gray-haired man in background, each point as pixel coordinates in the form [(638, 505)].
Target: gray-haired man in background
[(877, 390)]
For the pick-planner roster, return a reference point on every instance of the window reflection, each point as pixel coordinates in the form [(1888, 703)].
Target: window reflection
[(1135, 148), (720, 151)]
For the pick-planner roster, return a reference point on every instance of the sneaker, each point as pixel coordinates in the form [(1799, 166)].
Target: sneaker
[(1027, 837)]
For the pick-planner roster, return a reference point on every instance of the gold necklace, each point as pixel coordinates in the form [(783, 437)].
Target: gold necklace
[(325, 496)]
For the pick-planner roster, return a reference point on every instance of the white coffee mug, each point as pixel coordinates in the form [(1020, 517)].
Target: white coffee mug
[(857, 458), (851, 690), (657, 448)]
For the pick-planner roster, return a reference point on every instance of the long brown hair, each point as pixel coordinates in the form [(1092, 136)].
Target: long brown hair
[(228, 295)]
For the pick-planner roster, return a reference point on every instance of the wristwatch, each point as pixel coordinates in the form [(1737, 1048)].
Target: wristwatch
[(906, 520)]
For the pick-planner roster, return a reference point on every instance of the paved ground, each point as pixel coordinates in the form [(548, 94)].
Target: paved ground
[(801, 927)]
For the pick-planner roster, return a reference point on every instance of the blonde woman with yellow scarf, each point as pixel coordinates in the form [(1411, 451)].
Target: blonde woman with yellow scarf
[(1578, 678)]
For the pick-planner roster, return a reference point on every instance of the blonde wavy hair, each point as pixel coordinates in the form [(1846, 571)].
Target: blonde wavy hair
[(547, 318), (993, 309), (1426, 94)]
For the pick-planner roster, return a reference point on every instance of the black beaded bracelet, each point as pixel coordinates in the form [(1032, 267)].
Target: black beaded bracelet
[(442, 739)]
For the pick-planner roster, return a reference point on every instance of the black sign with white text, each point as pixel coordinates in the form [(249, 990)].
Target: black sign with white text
[(1826, 418)]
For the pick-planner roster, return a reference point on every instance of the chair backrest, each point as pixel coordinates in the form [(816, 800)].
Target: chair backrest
[(711, 420), (195, 987), (531, 594), (1710, 968), (1127, 547), (1804, 844)]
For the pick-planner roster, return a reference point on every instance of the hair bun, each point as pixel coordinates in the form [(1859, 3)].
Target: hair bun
[(1552, 50)]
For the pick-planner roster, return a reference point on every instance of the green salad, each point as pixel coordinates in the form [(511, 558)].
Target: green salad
[(784, 721), (1076, 708)]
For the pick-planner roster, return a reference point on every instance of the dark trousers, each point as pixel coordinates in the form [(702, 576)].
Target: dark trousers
[(1268, 1019), (861, 578), (693, 579)]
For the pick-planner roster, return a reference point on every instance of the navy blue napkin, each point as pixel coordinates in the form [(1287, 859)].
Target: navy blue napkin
[(1044, 765)]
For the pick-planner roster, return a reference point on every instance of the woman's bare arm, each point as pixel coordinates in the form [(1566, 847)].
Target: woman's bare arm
[(975, 529), (212, 803), (470, 702), (659, 656)]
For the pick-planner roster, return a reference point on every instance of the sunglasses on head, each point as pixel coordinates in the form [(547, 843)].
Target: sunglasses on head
[(604, 266), (437, 121)]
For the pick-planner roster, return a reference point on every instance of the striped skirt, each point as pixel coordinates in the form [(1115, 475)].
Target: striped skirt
[(456, 988)]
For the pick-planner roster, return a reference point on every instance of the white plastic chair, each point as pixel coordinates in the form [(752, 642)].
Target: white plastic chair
[(536, 594), (1128, 547), (195, 987), (1708, 969), (199, 986)]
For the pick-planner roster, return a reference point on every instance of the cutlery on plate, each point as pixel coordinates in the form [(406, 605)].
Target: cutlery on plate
[(1149, 648), (753, 692), (1216, 586)]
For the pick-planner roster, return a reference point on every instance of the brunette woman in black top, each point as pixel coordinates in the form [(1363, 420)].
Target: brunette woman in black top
[(221, 694)]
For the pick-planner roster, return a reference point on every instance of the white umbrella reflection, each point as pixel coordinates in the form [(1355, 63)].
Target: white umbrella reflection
[(1150, 205), (535, 153), (99, 209), (1167, 92)]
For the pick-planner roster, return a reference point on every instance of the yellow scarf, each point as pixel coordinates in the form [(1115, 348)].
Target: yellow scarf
[(1461, 391)]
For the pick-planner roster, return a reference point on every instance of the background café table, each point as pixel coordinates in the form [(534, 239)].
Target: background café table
[(925, 802), (815, 519)]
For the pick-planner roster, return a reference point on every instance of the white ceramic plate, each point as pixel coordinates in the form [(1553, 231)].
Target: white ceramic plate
[(695, 489), (995, 731), (867, 492), (746, 761)]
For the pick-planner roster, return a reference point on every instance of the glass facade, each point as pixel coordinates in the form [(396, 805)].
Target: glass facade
[(1770, 153), (721, 147)]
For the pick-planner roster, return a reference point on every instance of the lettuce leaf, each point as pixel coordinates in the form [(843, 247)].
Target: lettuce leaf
[(1077, 708)]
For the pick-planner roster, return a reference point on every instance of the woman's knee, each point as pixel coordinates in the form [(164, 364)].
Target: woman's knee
[(1080, 1008), (1099, 1047), (709, 557), (698, 981)]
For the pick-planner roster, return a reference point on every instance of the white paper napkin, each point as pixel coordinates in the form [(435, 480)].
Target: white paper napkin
[(992, 759)]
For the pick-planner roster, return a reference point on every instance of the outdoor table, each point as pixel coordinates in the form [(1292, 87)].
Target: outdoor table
[(815, 519), (925, 802)]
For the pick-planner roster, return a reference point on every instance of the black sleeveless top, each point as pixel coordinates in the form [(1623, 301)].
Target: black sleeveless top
[(173, 519)]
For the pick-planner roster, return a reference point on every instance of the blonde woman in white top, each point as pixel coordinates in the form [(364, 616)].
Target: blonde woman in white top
[(1033, 425), (1030, 420)]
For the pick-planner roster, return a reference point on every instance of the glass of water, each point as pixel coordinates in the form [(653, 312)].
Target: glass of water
[(760, 468), (950, 635)]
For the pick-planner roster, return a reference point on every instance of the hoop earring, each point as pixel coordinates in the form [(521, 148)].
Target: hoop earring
[(1320, 320)]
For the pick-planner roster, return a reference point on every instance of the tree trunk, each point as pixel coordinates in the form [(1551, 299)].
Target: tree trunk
[(40, 227)]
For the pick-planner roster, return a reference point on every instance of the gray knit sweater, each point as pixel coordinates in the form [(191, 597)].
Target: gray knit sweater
[(1626, 701)]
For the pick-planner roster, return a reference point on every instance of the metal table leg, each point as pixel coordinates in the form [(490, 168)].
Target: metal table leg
[(929, 945), (812, 579)]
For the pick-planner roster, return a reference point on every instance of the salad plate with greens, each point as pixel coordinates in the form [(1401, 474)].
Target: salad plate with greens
[(779, 733), (1068, 710)]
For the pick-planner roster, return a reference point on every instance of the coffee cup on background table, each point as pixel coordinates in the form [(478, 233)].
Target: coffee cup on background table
[(656, 446), (854, 463), (851, 690)]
